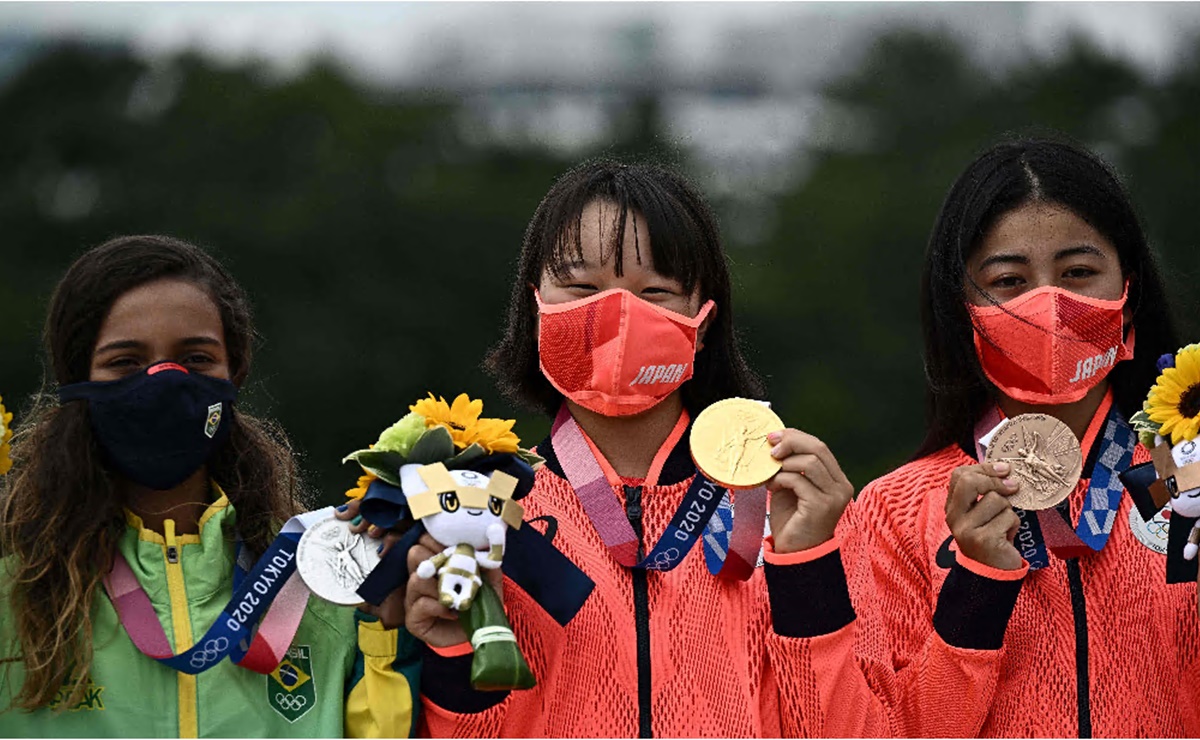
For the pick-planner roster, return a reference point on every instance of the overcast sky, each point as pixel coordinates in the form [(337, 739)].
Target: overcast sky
[(394, 41)]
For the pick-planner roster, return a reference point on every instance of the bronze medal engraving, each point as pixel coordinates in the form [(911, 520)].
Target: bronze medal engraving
[(1045, 457), (729, 443)]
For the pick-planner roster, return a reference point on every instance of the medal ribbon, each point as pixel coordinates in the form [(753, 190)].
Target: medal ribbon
[(604, 510), (733, 540), (1105, 487), (272, 587)]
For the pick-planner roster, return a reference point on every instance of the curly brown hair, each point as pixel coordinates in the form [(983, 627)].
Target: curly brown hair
[(59, 483)]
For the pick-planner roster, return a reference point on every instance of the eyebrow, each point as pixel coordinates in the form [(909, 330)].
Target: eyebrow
[(1020, 259), (996, 259), (1076, 251), (135, 344)]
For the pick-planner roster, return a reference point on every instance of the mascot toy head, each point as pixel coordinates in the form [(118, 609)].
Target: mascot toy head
[(458, 506)]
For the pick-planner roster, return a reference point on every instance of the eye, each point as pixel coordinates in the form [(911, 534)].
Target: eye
[(581, 289), (495, 505), (449, 502), (1007, 282), (124, 365), (197, 359), (658, 292), (1079, 273)]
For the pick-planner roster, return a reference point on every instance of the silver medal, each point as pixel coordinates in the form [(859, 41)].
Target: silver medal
[(333, 561)]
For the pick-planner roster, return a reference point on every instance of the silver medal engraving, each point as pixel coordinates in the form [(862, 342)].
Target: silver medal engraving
[(333, 561)]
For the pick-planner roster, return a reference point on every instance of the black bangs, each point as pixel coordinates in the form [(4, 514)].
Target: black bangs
[(672, 229)]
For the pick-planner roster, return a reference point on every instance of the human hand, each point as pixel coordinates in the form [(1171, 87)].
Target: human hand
[(427, 618), (808, 494), (980, 517)]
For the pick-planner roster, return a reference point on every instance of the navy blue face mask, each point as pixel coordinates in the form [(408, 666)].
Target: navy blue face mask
[(160, 426)]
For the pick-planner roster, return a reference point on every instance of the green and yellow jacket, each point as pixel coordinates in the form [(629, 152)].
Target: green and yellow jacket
[(343, 675)]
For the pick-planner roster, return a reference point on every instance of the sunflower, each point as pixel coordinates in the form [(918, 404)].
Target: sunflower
[(462, 420), (1174, 401), (364, 482), (5, 435), (457, 417), (493, 435)]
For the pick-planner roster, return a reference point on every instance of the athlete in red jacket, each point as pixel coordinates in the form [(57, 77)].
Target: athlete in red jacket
[(1037, 278), (629, 275)]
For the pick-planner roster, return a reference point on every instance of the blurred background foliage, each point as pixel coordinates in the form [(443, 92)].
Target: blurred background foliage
[(377, 232)]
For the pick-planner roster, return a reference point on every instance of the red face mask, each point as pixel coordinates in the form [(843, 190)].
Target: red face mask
[(1050, 346), (614, 353)]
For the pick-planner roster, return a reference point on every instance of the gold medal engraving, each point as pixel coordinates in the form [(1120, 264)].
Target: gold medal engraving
[(1045, 457), (729, 443)]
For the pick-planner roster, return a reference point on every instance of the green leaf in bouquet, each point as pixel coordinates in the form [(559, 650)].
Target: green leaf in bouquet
[(383, 464), (436, 445), (1145, 428), (530, 458), (460, 460)]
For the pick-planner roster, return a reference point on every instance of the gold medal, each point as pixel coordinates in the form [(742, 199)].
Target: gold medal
[(729, 442), (1044, 455)]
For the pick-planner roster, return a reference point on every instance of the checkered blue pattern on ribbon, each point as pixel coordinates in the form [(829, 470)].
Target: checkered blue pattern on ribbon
[(1105, 488), (717, 535)]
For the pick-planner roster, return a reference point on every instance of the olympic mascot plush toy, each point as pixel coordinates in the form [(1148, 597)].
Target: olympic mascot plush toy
[(467, 509), (459, 477), (1169, 424)]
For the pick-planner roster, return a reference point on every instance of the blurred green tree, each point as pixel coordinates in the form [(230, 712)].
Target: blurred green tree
[(377, 232)]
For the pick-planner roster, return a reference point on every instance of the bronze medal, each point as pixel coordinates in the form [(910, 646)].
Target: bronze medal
[(729, 443), (1045, 457)]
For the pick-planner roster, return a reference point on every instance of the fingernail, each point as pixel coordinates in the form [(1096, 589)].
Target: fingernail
[(379, 549), (776, 451), (1010, 483), (343, 507), (356, 521), (774, 437), (1001, 467)]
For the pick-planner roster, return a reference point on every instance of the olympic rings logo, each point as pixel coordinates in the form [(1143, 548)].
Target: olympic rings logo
[(664, 560), (211, 652), (290, 702)]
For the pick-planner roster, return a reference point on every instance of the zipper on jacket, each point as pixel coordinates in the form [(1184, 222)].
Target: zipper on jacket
[(641, 612), (1079, 609), (181, 623)]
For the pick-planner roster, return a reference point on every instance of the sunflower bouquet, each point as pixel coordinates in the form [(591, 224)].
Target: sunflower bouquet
[(458, 476), (434, 431), (5, 436), (1169, 424)]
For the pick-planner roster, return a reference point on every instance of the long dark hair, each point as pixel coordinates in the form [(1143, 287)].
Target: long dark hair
[(685, 244), (1005, 177), (62, 515)]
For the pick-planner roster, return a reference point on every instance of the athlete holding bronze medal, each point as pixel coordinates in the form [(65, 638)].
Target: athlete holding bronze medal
[(1010, 527), (620, 330), (150, 530)]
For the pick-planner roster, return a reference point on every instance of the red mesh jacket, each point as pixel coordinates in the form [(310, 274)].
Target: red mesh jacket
[(1100, 646), (680, 653)]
